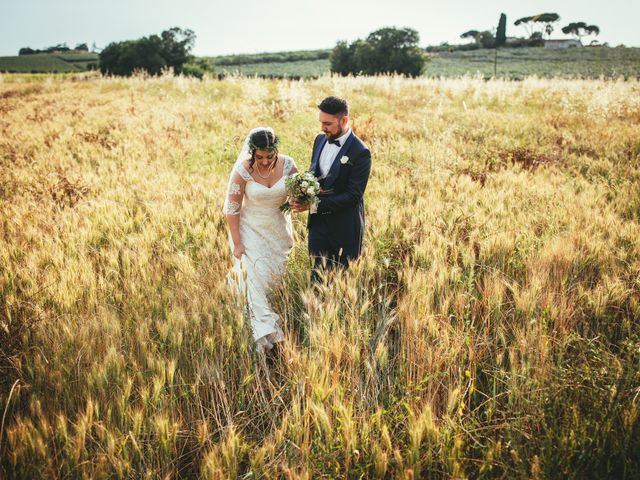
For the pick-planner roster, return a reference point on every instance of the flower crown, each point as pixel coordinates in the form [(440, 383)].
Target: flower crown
[(276, 142)]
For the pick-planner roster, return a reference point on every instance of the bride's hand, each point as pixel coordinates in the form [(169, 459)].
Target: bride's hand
[(238, 251)]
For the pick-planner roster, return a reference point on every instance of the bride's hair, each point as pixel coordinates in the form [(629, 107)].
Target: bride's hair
[(262, 140)]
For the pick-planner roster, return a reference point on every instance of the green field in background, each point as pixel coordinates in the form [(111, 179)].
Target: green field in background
[(523, 62), (48, 63), (304, 68), (511, 63), (514, 63)]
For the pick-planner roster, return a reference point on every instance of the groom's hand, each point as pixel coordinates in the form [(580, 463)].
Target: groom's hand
[(297, 206)]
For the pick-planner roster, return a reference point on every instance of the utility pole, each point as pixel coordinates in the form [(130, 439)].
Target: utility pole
[(495, 63)]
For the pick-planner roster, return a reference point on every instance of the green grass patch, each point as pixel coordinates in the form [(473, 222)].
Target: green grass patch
[(523, 62), (303, 68), (46, 63), (515, 63)]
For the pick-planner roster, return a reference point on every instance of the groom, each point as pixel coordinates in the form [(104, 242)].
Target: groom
[(342, 162)]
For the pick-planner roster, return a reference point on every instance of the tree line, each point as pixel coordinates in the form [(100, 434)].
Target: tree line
[(536, 28), (152, 54), (276, 57), (81, 47), (387, 50)]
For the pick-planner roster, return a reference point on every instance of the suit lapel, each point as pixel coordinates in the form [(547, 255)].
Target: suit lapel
[(316, 154), (335, 166)]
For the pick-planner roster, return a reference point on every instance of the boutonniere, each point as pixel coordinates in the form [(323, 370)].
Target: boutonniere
[(345, 160)]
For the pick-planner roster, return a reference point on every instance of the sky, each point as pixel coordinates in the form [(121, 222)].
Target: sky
[(255, 26)]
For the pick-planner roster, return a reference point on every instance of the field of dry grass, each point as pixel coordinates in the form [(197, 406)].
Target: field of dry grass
[(490, 330)]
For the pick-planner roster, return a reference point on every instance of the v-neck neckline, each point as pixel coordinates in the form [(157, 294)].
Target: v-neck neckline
[(272, 185)]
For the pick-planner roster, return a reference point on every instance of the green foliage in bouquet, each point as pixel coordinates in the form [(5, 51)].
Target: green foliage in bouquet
[(304, 187)]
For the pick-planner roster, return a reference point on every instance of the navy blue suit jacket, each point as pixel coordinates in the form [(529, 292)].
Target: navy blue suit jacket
[(339, 220)]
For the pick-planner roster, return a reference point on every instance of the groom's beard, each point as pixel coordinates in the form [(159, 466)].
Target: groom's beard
[(333, 136)]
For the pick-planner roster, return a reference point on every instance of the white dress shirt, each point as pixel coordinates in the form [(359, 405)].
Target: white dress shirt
[(329, 153)]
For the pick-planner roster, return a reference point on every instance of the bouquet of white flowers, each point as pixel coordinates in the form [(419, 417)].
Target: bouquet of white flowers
[(304, 187)]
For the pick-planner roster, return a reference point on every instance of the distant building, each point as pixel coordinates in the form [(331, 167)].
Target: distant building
[(563, 43)]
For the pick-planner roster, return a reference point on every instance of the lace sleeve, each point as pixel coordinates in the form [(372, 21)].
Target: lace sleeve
[(289, 166), (235, 192)]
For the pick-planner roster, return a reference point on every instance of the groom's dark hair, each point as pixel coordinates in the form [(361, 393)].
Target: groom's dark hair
[(334, 106)]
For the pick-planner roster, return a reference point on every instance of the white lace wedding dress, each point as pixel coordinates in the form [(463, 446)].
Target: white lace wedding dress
[(267, 236)]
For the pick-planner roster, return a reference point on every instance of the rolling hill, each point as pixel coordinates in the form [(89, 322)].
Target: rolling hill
[(49, 63)]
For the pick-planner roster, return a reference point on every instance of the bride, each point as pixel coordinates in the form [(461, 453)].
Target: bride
[(261, 236)]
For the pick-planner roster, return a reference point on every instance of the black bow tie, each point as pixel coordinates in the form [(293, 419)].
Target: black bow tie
[(335, 142)]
